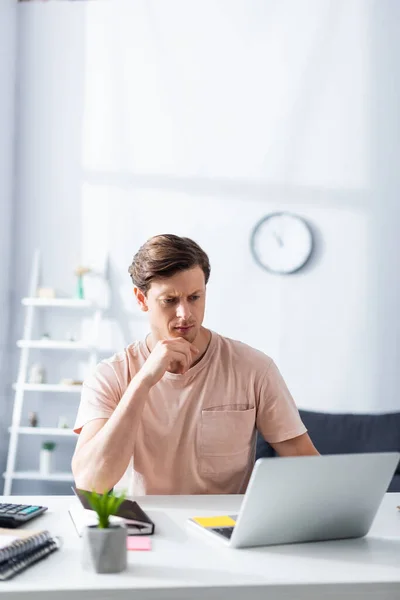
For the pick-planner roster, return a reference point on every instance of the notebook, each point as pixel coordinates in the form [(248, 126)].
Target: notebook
[(21, 549), (129, 513)]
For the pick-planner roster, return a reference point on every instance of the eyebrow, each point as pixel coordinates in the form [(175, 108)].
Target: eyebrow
[(172, 295)]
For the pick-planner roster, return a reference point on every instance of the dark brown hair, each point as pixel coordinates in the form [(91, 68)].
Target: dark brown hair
[(164, 255)]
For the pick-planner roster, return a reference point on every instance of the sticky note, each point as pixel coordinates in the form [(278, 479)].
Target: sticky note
[(222, 521), (138, 542)]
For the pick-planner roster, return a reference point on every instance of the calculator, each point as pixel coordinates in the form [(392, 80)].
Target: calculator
[(13, 515)]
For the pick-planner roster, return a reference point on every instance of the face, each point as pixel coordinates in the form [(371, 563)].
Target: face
[(175, 305)]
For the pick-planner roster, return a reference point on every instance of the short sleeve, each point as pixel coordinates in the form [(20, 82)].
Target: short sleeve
[(278, 418), (100, 396)]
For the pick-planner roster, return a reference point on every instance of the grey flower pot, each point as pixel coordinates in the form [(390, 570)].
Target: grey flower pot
[(104, 550)]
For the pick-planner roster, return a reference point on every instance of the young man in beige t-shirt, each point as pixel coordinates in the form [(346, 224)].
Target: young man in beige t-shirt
[(184, 404)]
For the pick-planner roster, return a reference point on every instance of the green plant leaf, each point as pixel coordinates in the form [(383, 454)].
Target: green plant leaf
[(104, 505), (48, 445)]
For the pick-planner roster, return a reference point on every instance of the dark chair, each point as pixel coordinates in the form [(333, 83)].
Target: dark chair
[(334, 433)]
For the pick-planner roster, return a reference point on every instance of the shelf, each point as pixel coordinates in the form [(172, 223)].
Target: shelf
[(44, 431), (39, 476), (48, 387), (58, 302), (53, 345)]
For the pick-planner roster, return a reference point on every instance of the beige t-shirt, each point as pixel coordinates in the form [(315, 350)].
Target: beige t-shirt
[(197, 430)]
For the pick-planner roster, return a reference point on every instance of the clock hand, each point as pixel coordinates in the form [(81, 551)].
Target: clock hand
[(278, 239)]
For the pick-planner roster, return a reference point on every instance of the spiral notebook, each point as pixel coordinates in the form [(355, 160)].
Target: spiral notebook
[(19, 550)]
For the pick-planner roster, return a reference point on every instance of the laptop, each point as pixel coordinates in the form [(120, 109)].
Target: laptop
[(305, 499)]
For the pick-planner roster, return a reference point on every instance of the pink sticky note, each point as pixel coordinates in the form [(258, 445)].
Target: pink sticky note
[(138, 542)]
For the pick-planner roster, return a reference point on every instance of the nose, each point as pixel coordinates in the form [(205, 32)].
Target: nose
[(183, 311)]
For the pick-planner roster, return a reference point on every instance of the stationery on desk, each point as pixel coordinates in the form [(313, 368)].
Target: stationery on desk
[(20, 549), (136, 520)]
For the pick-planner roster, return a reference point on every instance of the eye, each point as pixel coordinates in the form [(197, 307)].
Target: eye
[(168, 300), (194, 297)]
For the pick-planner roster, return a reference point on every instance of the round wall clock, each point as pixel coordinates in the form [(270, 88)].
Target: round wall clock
[(281, 243)]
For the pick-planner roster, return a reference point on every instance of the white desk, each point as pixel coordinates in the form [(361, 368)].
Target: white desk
[(186, 564)]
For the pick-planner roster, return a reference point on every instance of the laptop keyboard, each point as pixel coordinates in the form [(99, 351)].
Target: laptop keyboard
[(225, 531)]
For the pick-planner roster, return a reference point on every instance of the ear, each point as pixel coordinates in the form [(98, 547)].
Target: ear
[(141, 299)]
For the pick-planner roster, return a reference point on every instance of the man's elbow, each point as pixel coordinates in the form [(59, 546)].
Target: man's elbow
[(82, 473), (89, 477), (78, 473)]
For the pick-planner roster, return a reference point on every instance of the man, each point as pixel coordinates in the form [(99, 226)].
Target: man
[(184, 403)]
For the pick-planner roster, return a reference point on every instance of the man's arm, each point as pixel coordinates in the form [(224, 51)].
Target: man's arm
[(298, 446), (105, 446)]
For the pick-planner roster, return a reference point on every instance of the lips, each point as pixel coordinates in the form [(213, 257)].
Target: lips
[(183, 329)]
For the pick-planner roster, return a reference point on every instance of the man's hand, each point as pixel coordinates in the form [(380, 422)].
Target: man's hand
[(174, 355)]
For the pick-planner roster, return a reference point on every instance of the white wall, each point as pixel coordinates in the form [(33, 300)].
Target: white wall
[(47, 212), (7, 94), (201, 118)]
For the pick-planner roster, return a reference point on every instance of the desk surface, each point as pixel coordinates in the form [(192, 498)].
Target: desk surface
[(185, 563)]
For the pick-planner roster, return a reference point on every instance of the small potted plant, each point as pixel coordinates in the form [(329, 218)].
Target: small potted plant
[(46, 455), (104, 544), (80, 272)]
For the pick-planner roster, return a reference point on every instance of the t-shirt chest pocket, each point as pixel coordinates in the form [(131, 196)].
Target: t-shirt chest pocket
[(226, 433)]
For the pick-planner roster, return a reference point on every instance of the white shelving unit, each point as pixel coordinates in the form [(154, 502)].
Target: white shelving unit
[(53, 345), (47, 387), (22, 386), (46, 431), (38, 476), (57, 302)]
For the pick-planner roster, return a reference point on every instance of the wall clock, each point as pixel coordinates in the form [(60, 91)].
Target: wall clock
[(281, 243)]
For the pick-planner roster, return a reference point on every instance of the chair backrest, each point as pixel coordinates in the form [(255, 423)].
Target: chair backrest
[(348, 433)]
